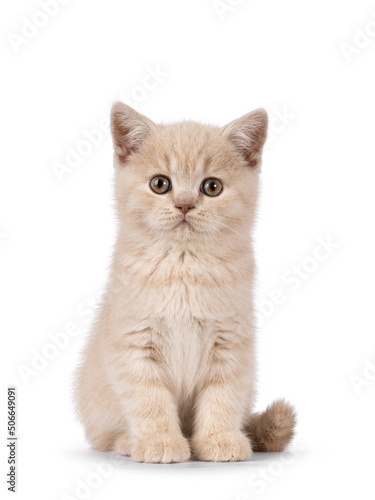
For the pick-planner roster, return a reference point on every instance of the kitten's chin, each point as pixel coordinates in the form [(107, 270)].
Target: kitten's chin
[(183, 230), (184, 227), (184, 223)]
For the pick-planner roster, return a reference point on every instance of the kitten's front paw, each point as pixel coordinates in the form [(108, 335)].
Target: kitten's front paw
[(222, 447), (162, 448)]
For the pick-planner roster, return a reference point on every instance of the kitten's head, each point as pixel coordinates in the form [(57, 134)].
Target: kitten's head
[(186, 180)]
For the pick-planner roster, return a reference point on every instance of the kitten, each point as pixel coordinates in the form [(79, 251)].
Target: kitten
[(169, 369)]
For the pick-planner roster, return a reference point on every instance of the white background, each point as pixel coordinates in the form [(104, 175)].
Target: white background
[(318, 183)]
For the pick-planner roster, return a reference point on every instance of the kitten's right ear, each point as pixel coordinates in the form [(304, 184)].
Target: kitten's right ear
[(129, 129)]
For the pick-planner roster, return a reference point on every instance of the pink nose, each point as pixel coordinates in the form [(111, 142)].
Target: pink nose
[(184, 208)]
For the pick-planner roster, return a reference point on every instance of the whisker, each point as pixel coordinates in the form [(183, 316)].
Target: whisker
[(228, 227)]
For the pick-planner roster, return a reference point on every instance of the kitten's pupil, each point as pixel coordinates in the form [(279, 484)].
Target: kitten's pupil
[(160, 183), (213, 186)]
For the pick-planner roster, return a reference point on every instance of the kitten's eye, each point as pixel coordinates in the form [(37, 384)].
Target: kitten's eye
[(160, 184), (212, 187)]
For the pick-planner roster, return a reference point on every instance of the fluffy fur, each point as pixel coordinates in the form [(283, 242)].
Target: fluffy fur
[(169, 370)]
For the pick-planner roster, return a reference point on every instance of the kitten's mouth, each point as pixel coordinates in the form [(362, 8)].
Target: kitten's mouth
[(183, 223)]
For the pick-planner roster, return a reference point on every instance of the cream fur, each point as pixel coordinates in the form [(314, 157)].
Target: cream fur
[(169, 368)]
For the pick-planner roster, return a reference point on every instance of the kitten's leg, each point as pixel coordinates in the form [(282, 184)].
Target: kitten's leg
[(150, 409), (155, 431), (217, 435), (220, 408)]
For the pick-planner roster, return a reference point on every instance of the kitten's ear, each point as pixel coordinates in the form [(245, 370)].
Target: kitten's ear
[(129, 129), (248, 135)]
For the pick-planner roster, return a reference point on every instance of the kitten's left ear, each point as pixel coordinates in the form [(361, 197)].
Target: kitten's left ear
[(248, 135)]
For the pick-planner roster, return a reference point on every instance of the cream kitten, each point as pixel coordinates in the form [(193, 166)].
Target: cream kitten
[(169, 369)]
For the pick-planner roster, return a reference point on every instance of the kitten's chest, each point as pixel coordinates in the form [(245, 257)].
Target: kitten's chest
[(186, 347), (186, 305), (189, 321)]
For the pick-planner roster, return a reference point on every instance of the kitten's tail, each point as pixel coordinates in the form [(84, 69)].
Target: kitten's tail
[(273, 429)]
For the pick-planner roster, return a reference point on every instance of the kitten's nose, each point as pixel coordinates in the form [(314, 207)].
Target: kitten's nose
[(184, 207)]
